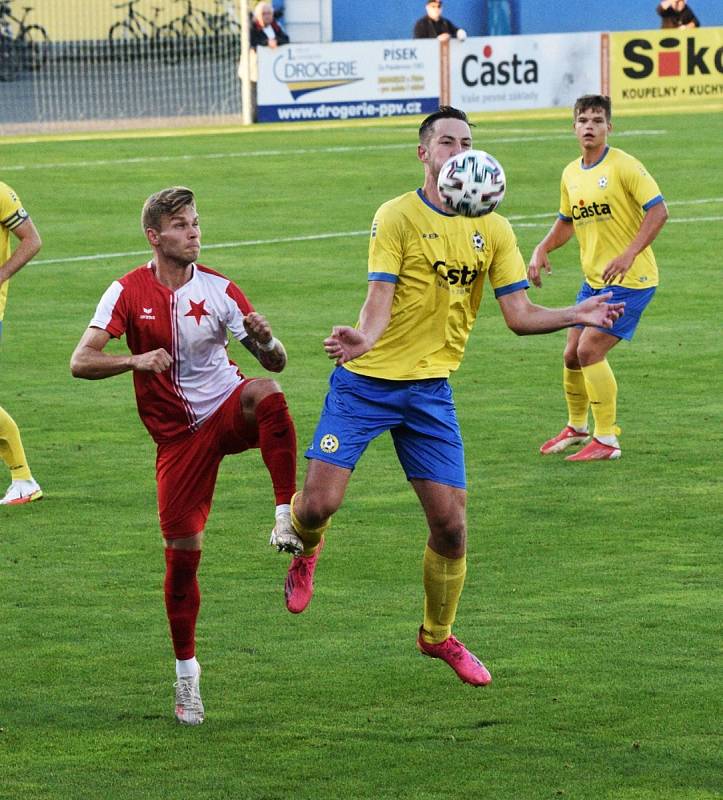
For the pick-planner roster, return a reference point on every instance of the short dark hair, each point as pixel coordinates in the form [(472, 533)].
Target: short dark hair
[(444, 112), (167, 201), (595, 102)]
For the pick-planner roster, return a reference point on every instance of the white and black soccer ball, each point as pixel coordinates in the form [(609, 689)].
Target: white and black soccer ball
[(472, 183)]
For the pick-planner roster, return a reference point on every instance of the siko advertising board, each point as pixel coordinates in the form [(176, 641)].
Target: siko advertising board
[(666, 67), (517, 72), (347, 80)]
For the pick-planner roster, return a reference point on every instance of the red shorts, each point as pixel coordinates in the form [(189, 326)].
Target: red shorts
[(186, 469)]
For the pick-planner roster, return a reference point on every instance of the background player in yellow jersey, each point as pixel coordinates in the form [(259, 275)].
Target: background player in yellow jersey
[(426, 269), (615, 208), (13, 217)]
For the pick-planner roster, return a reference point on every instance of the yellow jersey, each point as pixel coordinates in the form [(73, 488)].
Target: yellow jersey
[(438, 263), (606, 203), (12, 214)]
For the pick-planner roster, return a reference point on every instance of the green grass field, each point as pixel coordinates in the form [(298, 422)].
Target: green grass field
[(592, 591)]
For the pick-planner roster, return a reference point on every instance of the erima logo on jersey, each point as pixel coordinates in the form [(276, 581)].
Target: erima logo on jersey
[(582, 211), (147, 314), (430, 236)]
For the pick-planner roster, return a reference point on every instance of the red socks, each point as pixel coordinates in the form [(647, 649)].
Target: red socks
[(277, 441), (183, 599)]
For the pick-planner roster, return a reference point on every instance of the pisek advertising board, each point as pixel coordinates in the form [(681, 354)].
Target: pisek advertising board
[(347, 80), (517, 72), (666, 67)]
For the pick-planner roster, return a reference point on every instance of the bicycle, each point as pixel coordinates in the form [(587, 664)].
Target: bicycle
[(223, 23), (138, 34), (203, 31), (25, 45)]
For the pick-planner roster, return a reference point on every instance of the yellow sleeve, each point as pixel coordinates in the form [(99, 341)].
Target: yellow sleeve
[(12, 212), (640, 184), (386, 245), (507, 271)]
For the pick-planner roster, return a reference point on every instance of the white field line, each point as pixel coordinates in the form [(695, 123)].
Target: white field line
[(314, 237), (286, 152)]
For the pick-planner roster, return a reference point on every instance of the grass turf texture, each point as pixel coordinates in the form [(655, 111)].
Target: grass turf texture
[(591, 588)]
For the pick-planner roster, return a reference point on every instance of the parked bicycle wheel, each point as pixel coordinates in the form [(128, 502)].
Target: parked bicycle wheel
[(35, 45), (168, 44), (189, 42), (124, 44)]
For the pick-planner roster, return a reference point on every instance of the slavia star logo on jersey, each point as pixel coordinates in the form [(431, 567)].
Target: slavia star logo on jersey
[(197, 311), (603, 182)]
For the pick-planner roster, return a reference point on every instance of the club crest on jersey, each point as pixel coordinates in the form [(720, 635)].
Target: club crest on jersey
[(147, 313), (329, 443), (478, 241), (197, 311), (603, 182)]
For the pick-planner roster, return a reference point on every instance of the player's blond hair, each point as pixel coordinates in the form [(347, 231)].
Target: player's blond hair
[(168, 202)]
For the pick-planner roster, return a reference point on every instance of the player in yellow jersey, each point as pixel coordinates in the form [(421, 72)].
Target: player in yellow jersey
[(615, 208), (13, 217), (426, 274)]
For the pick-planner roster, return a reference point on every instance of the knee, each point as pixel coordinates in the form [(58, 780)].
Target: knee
[(571, 357), (588, 355), (449, 534), (256, 391), (314, 508)]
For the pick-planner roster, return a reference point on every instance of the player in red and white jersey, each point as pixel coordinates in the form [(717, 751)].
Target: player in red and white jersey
[(176, 316)]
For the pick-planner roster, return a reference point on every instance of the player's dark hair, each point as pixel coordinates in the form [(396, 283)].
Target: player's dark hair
[(168, 202), (444, 112), (593, 102)]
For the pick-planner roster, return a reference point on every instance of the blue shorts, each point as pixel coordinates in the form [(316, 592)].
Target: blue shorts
[(419, 414), (636, 301)]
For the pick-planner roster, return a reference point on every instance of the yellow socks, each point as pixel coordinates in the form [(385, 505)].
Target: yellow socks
[(602, 389), (443, 582), (309, 536), (578, 402), (11, 448)]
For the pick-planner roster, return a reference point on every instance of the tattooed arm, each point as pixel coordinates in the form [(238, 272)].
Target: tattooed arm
[(262, 344)]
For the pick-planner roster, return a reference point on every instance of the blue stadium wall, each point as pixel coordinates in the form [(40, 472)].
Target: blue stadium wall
[(394, 19)]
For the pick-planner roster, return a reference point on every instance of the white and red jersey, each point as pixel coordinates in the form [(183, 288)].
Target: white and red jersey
[(191, 323)]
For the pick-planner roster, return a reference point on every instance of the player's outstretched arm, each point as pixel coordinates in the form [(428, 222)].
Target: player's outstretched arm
[(560, 233), (29, 245), (90, 362), (262, 343), (525, 318), (346, 343)]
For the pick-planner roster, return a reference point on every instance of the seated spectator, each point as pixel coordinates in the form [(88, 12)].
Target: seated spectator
[(265, 29), (677, 14), (435, 26)]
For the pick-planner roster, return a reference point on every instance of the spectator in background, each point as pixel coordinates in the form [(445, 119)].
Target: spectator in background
[(265, 32), (434, 26), (677, 14), (265, 29)]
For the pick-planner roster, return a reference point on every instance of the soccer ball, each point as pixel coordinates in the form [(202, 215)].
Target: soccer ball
[(472, 183)]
